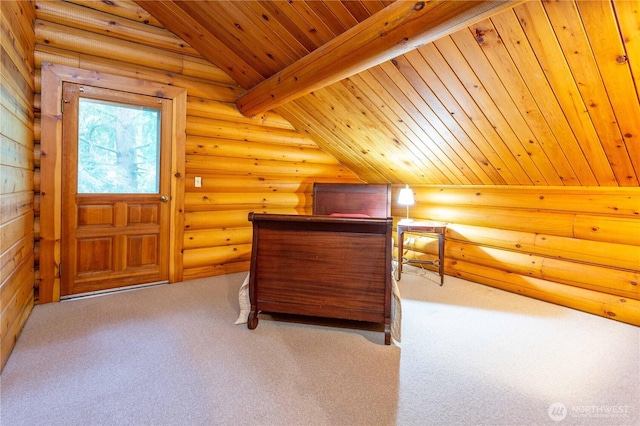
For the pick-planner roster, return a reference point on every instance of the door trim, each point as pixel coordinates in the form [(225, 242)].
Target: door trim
[(51, 166)]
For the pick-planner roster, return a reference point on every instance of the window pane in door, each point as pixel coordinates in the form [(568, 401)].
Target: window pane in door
[(118, 148)]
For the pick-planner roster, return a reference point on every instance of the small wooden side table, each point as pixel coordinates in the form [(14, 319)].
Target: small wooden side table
[(421, 228)]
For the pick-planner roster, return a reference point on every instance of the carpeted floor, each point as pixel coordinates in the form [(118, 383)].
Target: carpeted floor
[(171, 355)]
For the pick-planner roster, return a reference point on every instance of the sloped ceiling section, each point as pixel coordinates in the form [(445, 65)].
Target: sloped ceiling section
[(542, 93)]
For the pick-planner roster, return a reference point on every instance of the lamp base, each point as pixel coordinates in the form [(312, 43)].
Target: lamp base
[(406, 220)]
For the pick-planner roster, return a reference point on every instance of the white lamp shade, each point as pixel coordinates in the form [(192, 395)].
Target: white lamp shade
[(405, 198)]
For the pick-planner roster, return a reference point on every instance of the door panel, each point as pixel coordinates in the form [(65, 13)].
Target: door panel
[(115, 210)]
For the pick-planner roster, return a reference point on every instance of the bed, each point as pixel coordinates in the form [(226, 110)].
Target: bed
[(335, 263)]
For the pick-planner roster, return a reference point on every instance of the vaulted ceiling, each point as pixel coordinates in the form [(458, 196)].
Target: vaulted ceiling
[(517, 93)]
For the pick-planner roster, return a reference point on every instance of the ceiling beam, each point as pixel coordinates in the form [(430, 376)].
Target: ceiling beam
[(397, 29)]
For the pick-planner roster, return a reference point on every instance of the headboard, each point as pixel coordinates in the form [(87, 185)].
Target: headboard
[(373, 200)]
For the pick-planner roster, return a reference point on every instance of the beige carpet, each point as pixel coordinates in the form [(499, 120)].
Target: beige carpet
[(171, 355)]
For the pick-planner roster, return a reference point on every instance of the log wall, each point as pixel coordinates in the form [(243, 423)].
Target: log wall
[(577, 247), (261, 164), (16, 169)]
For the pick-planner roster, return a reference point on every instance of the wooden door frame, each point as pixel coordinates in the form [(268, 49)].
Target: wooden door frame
[(53, 76)]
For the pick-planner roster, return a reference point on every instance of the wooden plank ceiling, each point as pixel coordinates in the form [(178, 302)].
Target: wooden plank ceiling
[(542, 93)]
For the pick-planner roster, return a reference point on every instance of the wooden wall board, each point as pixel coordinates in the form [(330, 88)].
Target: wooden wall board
[(16, 168)]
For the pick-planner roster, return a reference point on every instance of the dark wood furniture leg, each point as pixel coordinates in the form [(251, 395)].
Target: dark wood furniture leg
[(400, 251), (421, 228), (441, 258)]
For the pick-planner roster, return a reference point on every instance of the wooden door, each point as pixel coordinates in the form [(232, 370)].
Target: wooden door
[(115, 189)]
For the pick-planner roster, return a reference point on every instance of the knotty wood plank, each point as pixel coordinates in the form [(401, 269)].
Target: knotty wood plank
[(17, 58), (628, 17), (411, 161), (15, 154), (325, 14), (270, 55), (521, 53), (198, 36), (14, 255), (467, 136), (361, 11), (359, 109), (474, 81), (315, 24), (212, 22), (275, 26), (343, 14), (15, 292), (17, 97), (566, 19), (6, 346), (428, 83), (273, 33), (535, 23), (14, 101), (314, 125), (14, 230), (425, 145), (501, 77), (15, 179), (292, 23), (15, 204), (426, 118), (355, 109), (609, 52), (373, 6), (19, 17), (15, 129), (443, 68), (348, 115)]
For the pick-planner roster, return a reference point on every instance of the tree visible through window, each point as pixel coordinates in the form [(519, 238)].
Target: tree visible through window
[(118, 148)]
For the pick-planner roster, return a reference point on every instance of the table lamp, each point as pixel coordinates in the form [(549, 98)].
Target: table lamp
[(405, 198)]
